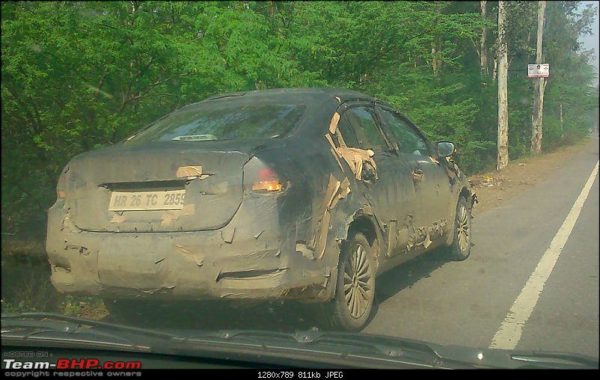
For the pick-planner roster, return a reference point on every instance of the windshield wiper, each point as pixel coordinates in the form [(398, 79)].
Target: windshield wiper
[(308, 347), (313, 345), (554, 360), (67, 330), (337, 348)]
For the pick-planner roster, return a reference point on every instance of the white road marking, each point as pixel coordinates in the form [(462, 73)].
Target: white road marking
[(508, 335)]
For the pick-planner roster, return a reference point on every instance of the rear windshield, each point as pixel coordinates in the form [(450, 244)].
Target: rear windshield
[(209, 122)]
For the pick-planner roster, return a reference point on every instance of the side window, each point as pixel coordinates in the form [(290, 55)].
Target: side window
[(367, 133), (348, 133), (408, 139)]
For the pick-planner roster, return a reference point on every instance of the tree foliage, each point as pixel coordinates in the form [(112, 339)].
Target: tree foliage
[(79, 75)]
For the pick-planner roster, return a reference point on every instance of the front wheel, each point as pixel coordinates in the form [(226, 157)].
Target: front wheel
[(355, 292), (461, 244)]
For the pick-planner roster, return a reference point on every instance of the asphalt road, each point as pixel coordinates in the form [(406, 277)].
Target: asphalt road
[(465, 303)]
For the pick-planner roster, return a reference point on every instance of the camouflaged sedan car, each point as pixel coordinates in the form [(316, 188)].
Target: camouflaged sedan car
[(290, 194)]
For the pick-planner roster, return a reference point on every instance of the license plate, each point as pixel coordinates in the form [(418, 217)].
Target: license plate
[(146, 200)]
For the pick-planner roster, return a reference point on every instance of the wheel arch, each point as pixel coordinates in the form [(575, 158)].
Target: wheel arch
[(365, 222)]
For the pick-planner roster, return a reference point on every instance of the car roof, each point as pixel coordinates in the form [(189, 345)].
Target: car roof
[(284, 94), (322, 102)]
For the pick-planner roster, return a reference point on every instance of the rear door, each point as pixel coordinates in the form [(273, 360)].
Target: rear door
[(391, 198), (431, 183)]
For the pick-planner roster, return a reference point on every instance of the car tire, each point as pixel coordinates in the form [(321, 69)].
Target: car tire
[(352, 304), (461, 243)]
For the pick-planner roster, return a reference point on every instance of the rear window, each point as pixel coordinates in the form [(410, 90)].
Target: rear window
[(209, 122)]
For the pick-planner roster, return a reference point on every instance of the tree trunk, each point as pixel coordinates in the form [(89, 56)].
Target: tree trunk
[(540, 85), (435, 62), (495, 69), (483, 59), (562, 126), (436, 46), (502, 160)]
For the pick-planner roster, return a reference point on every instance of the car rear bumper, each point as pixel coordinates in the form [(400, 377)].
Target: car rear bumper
[(240, 261)]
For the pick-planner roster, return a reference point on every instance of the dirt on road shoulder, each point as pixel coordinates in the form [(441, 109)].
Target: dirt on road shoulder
[(495, 187)]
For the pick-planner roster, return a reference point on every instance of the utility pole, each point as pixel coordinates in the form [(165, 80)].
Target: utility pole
[(540, 86), (483, 58), (502, 160)]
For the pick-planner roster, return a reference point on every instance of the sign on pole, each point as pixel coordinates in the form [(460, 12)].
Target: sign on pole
[(538, 70)]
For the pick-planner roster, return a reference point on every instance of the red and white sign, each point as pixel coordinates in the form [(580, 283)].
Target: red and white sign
[(538, 70)]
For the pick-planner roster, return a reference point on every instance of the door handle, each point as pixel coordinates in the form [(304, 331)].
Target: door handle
[(417, 175)]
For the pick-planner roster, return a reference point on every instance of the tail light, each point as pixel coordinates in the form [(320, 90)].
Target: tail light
[(261, 179), (267, 181)]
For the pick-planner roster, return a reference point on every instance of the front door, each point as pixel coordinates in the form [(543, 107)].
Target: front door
[(431, 182), (391, 197)]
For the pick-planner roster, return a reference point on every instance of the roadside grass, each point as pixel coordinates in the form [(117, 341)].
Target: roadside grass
[(26, 284), (495, 187)]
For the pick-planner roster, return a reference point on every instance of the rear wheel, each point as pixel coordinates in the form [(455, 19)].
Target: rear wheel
[(355, 292), (461, 245)]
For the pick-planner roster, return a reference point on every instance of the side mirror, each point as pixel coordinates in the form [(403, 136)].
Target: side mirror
[(445, 149)]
